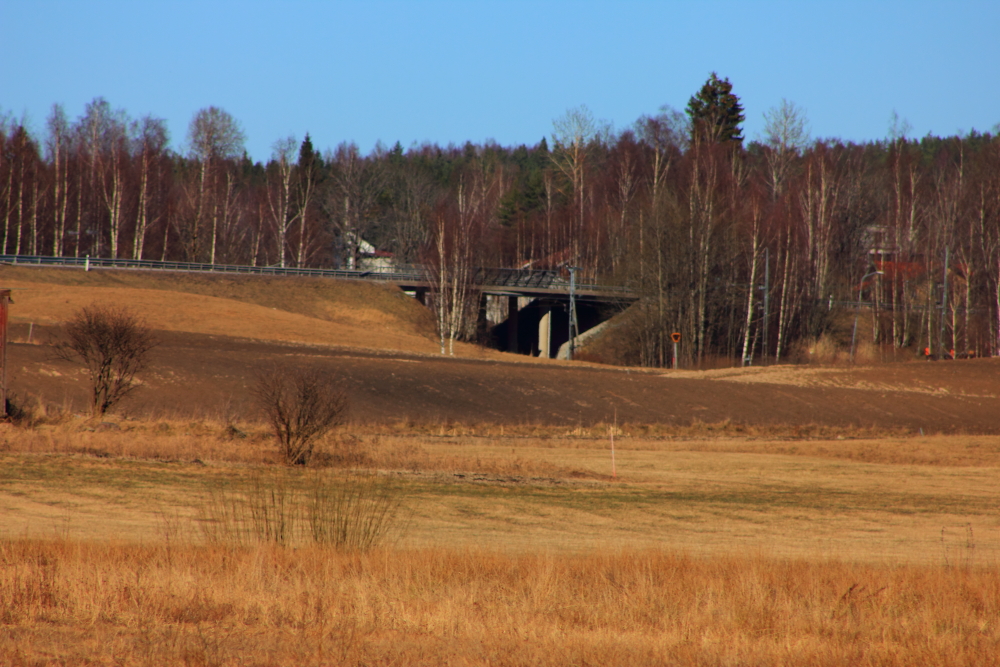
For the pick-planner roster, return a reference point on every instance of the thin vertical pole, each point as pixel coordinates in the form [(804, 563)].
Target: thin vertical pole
[(4, 301), (944, 306), (614, 472), (767, 293)]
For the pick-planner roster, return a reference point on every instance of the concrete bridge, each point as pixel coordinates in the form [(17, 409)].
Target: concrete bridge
[(535, 304), (535, 307)]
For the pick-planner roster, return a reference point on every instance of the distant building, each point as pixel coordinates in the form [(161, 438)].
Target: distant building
[(361, 255)]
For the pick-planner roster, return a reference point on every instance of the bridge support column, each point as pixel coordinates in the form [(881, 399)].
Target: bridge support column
[(545, 334), (512, 324), (421, 295)]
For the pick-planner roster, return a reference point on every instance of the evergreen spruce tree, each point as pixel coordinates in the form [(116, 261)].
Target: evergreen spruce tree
[(716, 113), (307, 155)]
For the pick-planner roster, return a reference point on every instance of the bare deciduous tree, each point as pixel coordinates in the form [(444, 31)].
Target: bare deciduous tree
[(279, 193), (150, 141), (300, 405), (572, 136), (214, 136), (355, 185), (114, 344), (786, 134)]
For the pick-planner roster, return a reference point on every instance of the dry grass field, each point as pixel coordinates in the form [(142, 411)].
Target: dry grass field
[(293, 310), (514, 547), (73, 603), (778, 516)]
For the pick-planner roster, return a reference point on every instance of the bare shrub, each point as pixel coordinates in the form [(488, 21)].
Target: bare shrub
[(347, 511), (263, 509), (300, 405), (22, 411), (352, 512), (114, 344)]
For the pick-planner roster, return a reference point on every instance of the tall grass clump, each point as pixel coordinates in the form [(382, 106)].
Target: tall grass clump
[(348, 511), (353, 511), (264, 508)]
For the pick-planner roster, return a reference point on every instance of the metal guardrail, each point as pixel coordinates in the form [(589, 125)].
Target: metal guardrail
[(410, 275), (518, 278), (154, 265)]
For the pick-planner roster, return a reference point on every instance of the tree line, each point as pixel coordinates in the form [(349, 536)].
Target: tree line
[(746, 248)]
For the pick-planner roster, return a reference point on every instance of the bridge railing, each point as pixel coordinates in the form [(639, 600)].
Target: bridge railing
[(411, 274), (408, 274)]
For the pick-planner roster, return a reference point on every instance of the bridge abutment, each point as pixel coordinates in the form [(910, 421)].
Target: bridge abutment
[(545, 334)]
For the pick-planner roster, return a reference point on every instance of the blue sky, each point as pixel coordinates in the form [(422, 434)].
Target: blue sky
[(456, 71)]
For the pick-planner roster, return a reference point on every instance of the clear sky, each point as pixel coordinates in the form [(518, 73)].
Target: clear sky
[(447, 71)]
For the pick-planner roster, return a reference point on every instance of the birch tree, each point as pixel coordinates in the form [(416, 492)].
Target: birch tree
[(149, 141), (59, 149), (279, 194), (213, 136), (785, 135), (572, 134)]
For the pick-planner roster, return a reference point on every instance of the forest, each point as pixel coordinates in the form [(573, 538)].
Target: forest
[(749, 249)]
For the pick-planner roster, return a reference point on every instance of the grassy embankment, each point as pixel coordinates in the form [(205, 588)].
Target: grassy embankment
[(516, 548), (299, 310)]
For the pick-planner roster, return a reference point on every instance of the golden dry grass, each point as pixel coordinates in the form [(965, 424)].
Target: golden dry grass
[(899, 499), (519, 549), (71, 602), (298, 310)]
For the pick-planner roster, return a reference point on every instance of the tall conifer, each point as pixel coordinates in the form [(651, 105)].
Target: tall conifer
[(716, 113)]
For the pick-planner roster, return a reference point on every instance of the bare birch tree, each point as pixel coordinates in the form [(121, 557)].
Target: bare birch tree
[(785, 134), (149, 143), (213, 136), (279, 194), (572, 135), (59, 148)]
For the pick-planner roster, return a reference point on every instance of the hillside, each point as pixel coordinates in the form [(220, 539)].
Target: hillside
[(313, 311)]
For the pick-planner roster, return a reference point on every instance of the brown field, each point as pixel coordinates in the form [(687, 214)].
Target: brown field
[(66, 602), (773, 516), (512, 549)]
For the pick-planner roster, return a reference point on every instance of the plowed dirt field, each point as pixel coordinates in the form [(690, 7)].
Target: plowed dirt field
[(214, 331), (203, 375)]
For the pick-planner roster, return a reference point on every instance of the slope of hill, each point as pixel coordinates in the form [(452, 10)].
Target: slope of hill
[(215, 330), (314, 311)]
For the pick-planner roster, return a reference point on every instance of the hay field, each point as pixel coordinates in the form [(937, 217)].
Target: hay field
[(72, 603), (516, 547), (904, 499), (809, 541)]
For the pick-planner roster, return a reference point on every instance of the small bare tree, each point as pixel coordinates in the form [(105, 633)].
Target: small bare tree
[(300, 405), (114, 344)]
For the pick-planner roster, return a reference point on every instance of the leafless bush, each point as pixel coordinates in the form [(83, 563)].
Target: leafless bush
[(22, 411), (300, 405), (114, 344), (347, 511)]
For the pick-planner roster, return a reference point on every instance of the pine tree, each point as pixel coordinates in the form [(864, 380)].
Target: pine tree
[(716, 113), (307, 155)]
